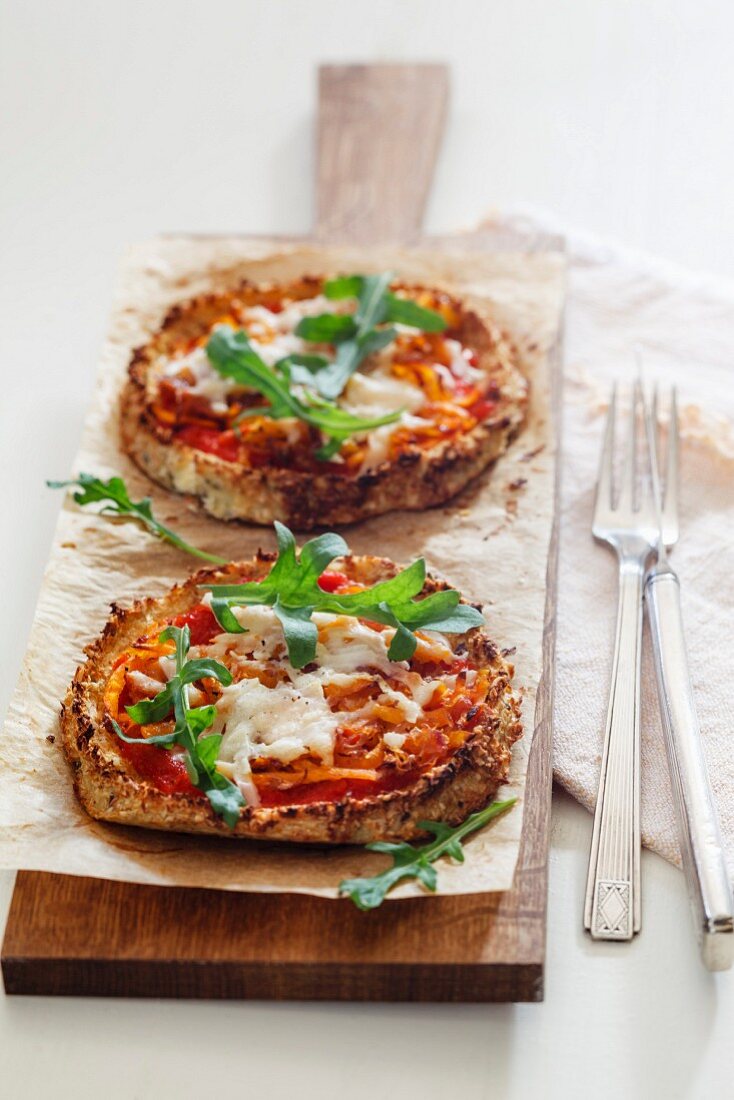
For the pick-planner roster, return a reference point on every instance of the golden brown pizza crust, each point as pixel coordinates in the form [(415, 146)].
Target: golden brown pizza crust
[(416, 479), (109, 789)]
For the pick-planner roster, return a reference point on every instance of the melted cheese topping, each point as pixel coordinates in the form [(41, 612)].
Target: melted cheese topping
[(262, 641), (347, 645), (207, 382), (294, 718), (374, 395), (379, 393), (282, 722)]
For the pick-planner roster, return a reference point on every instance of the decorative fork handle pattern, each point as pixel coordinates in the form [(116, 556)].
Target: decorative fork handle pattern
[(612, 909), (701, 846)]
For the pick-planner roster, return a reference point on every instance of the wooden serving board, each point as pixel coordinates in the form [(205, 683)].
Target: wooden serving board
[(379, 133)]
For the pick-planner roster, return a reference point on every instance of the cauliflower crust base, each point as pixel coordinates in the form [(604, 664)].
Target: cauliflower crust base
[(415, 480), (109, 788)]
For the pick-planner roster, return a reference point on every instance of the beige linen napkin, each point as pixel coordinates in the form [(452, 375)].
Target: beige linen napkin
[(685, 326)]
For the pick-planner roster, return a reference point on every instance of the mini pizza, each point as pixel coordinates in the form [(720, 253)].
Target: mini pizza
[(317, 697), (321, 401)]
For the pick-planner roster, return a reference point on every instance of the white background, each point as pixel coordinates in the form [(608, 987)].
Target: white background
[(123, 119)]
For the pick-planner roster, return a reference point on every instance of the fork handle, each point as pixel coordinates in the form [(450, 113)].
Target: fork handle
[(698, 825), (612, 910)]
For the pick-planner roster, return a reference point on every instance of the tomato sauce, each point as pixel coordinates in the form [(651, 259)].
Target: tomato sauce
[(483, 408), (212, 441), (334, 790), (165, 770), (201, 623)]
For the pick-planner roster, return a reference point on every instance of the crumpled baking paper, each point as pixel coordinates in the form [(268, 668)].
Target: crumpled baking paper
[(492, 542)]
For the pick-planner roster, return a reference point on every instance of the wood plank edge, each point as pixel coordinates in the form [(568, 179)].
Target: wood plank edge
[(417, 983), (543, 739)]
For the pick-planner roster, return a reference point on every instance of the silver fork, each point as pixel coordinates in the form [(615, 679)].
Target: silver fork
[(702, 852), (626, 520)]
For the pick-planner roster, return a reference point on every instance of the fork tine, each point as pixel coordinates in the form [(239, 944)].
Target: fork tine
[(670, 507), (629, 471), (656, 431), (605, 486)]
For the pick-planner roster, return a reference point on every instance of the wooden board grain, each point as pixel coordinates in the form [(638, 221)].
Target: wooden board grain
[(379, 133), (79, 936)]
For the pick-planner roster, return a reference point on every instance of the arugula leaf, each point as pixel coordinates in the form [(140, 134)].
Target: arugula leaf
[(116, 499), (327, 328), (404, 311), (209, 749), (357, 337), (410, 861), (233, 356), (310, 362), (200, 752), (366, 339), (319, 552), (398, 310), (164, 739), (152, 710), (344, 286), (300, 368), (371, 300), (291, 588), (300, 632)]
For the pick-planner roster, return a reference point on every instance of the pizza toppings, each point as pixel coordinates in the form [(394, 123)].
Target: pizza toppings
[(203, 627), (308, 684), (172, 706), (282, 722), (287, 391), (292, 590), (351, 376)]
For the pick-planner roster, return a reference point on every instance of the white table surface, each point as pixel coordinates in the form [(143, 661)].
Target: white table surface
[(123, 119)]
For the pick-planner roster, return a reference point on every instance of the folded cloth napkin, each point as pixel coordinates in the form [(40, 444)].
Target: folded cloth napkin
[(684, 324)]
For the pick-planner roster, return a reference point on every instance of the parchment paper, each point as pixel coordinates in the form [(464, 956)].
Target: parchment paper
[(492, 542)]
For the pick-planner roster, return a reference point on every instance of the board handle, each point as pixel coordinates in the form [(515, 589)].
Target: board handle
[(379, 132)]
